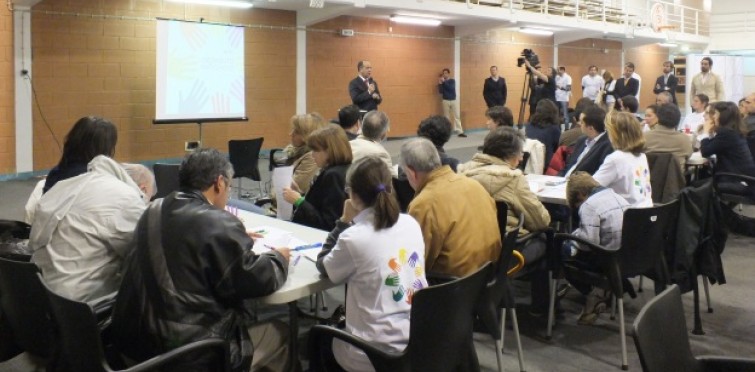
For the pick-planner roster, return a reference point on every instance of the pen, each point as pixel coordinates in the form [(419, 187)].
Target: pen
[(260, 232), (308, 246), (296, 260)]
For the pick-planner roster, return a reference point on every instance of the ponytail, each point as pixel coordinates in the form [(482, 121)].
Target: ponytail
[(386, 209), (370, 179)]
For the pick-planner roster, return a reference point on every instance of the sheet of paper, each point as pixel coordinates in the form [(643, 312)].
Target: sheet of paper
[(535, 186), (282, 177), (274, 237)]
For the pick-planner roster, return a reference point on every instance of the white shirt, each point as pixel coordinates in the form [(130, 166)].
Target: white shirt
[(83, 229), (629, 176), (383, 269), (563, 82), (639, 84), (362, 147), (591, 85), (610, 99), (692, 121)]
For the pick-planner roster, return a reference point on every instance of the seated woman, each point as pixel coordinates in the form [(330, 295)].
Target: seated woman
[(626, 170), (322, 204), (693, 123), (299, 155), (437, 129), (499, 116), (651, 118), (496, 170), (544, 127), (375, 250), (724, 137)]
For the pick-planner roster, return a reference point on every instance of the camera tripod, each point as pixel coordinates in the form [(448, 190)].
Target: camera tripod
[(526, 90)]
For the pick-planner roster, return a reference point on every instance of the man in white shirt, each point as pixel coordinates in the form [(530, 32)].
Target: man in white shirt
[(375, 126), (563, 92), (83, 228), (592, 83), (708, 83)]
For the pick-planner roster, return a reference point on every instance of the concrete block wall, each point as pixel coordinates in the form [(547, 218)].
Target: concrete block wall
[(7, 89), (106, 66)]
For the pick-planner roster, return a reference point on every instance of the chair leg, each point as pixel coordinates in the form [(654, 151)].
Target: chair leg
[(613, 308), (624, 362), (707, 293), (503, 330), (239, 189), (639, 286), (518, 339), (551, 305)]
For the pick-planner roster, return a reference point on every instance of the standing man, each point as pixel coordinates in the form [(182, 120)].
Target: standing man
[(667, 82), (592, 83), (563, 92), (447, 89), (708, 83), (636, 76), (363, 89), (627, 85), (494, 89), (750, 108)]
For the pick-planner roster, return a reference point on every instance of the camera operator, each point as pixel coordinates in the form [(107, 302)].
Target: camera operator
[(543, 86)]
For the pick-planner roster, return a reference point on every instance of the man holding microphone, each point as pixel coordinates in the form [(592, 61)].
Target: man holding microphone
[(364, 90), (447, 89)]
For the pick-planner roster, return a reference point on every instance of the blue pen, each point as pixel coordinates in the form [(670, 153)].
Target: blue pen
[(308, 246), (296, 260)]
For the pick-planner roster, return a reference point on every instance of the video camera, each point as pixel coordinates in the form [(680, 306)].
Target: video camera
[(530, 56)]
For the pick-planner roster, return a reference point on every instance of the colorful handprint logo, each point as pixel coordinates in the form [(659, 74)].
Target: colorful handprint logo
[(407, 276)]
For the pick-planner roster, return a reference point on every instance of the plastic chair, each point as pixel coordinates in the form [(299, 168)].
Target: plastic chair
[(166, 178), (660, 335), (81, 345), (498, 297), (645, 234), (244, 155), (26, 309), (440, 331), (404, 193)]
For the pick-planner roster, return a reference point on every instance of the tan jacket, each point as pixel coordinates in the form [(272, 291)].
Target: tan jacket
[(713, 87), (508, 184), (664, 139), (458, 220), (305, 170), (362, 147)]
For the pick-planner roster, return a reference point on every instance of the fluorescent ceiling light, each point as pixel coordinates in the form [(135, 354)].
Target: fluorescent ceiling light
[(227, 3), (535, 31), (421, 21), (668, 45)]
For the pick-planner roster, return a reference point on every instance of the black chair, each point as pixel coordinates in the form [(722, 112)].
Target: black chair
[(26, 310), (81, 347), (12, 240), (645, 234), (404, 193), (734, 189), (440, 331), (525, 159), (498, 299), (14, 229), (244, 155), (660, 335), (166, 178)]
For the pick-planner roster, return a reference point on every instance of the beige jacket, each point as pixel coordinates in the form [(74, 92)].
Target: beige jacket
[(664, 139), (362, 147), (305, 170), (508, 184), (458, 220), (713, 87)]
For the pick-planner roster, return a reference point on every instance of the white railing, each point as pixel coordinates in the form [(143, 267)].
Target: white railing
[(679, 18)]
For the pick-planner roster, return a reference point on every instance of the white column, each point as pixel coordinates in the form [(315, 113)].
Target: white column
[(23, 92), (301, 70), (457, 74), (555, 58)]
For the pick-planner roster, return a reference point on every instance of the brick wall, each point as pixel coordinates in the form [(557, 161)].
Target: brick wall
[(106, 66), (579, 55), (648, 62), (500, 48), (7, 87), (406, 61)]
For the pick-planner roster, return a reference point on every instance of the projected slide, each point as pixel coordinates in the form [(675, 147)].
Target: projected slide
[(200, 71)]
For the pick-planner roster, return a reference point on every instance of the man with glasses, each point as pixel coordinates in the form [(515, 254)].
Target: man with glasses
[(190, 272)]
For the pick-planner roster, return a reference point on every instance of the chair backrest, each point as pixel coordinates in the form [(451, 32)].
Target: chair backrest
[(245, 156), (404, 193), (441, 328), (660, 334), (78, 333), (166, 178), (645, 236), (14, 229), (666, 177), (525, 159), (25, 307)]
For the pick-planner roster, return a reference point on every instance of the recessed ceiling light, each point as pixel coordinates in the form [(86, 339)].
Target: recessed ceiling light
[(227, 3), (421, 21), (535, 31), (668, 45)]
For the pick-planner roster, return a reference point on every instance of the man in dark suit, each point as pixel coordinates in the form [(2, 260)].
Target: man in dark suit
[(626, 85), (494, 89), (667, 82), (363, 89), (592, 148)]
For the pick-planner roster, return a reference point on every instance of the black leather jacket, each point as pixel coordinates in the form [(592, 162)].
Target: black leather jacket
[(192, 287)]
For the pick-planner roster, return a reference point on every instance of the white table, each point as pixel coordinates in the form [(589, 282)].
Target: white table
[(303, 279), (550, 189)]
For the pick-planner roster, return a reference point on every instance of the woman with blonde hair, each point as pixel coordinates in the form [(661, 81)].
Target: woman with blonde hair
[(626, 170), (322, 204), (299, 155), (607, 92)]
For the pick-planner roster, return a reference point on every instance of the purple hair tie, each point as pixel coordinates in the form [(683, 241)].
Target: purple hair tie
[(380, 188)]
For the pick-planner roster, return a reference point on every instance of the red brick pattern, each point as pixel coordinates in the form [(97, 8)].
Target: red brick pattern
[(7, 88)]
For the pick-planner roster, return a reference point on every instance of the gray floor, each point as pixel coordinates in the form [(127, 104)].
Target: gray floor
[(730, 329)]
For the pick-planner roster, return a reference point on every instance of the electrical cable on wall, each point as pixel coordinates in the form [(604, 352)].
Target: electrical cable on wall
[(27, 77)]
